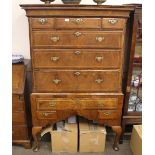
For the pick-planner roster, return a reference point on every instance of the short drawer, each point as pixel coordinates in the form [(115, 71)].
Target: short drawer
[(105, 103), (42, 22), (117, 23), (55, 104), (77, 23), (76, 39), (77, 80), (52, 115), (76, 58), (109, 114), (18, 118), (17, 103), (19, 132)]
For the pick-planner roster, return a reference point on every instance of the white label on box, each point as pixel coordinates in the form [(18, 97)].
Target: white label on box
[(66, 19)]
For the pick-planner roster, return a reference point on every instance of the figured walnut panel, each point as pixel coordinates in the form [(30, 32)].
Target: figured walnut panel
[(77, 58), (77, 81), (82, 39)]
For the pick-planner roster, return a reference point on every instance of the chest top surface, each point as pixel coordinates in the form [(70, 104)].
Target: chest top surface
[(77, 10)]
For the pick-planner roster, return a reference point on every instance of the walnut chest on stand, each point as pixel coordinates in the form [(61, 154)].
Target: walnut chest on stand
[(80, 57)]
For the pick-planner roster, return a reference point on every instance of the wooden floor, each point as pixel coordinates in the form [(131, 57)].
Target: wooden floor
[(45, 150)]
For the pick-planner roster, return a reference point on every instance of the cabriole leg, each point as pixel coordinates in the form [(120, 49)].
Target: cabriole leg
[(118, 131), (36, 131)]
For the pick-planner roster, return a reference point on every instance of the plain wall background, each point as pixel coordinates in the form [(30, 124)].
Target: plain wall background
[(20, 33)]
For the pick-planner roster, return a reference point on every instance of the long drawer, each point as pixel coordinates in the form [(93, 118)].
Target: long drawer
[(69, 58), (77, 80), (84, 39), (76, 103), (19, 132)]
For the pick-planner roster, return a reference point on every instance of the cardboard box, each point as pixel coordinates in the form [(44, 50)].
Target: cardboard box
[(136, 140), (65, 140), (92, 137)]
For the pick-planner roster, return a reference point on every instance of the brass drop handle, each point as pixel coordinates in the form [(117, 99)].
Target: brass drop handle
[(77, 73), (52, 104), (107, 113), (99, 58), (42, 21), (55, 59), (78, 21), (99, 39), (77, 34), (77, 52), (113, 21), (45, 114), (99, 81), (56, 81), (55, 39)]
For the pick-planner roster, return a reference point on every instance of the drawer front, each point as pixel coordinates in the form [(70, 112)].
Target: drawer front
[(73, 80), (19, 132), (89, 39), (52, 115), (109, 114), (42, 22), (118, 23), (77, 23), (59, 104), (76, 58), (106, 103), (55, 104), (18, 118), (17, 103)]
